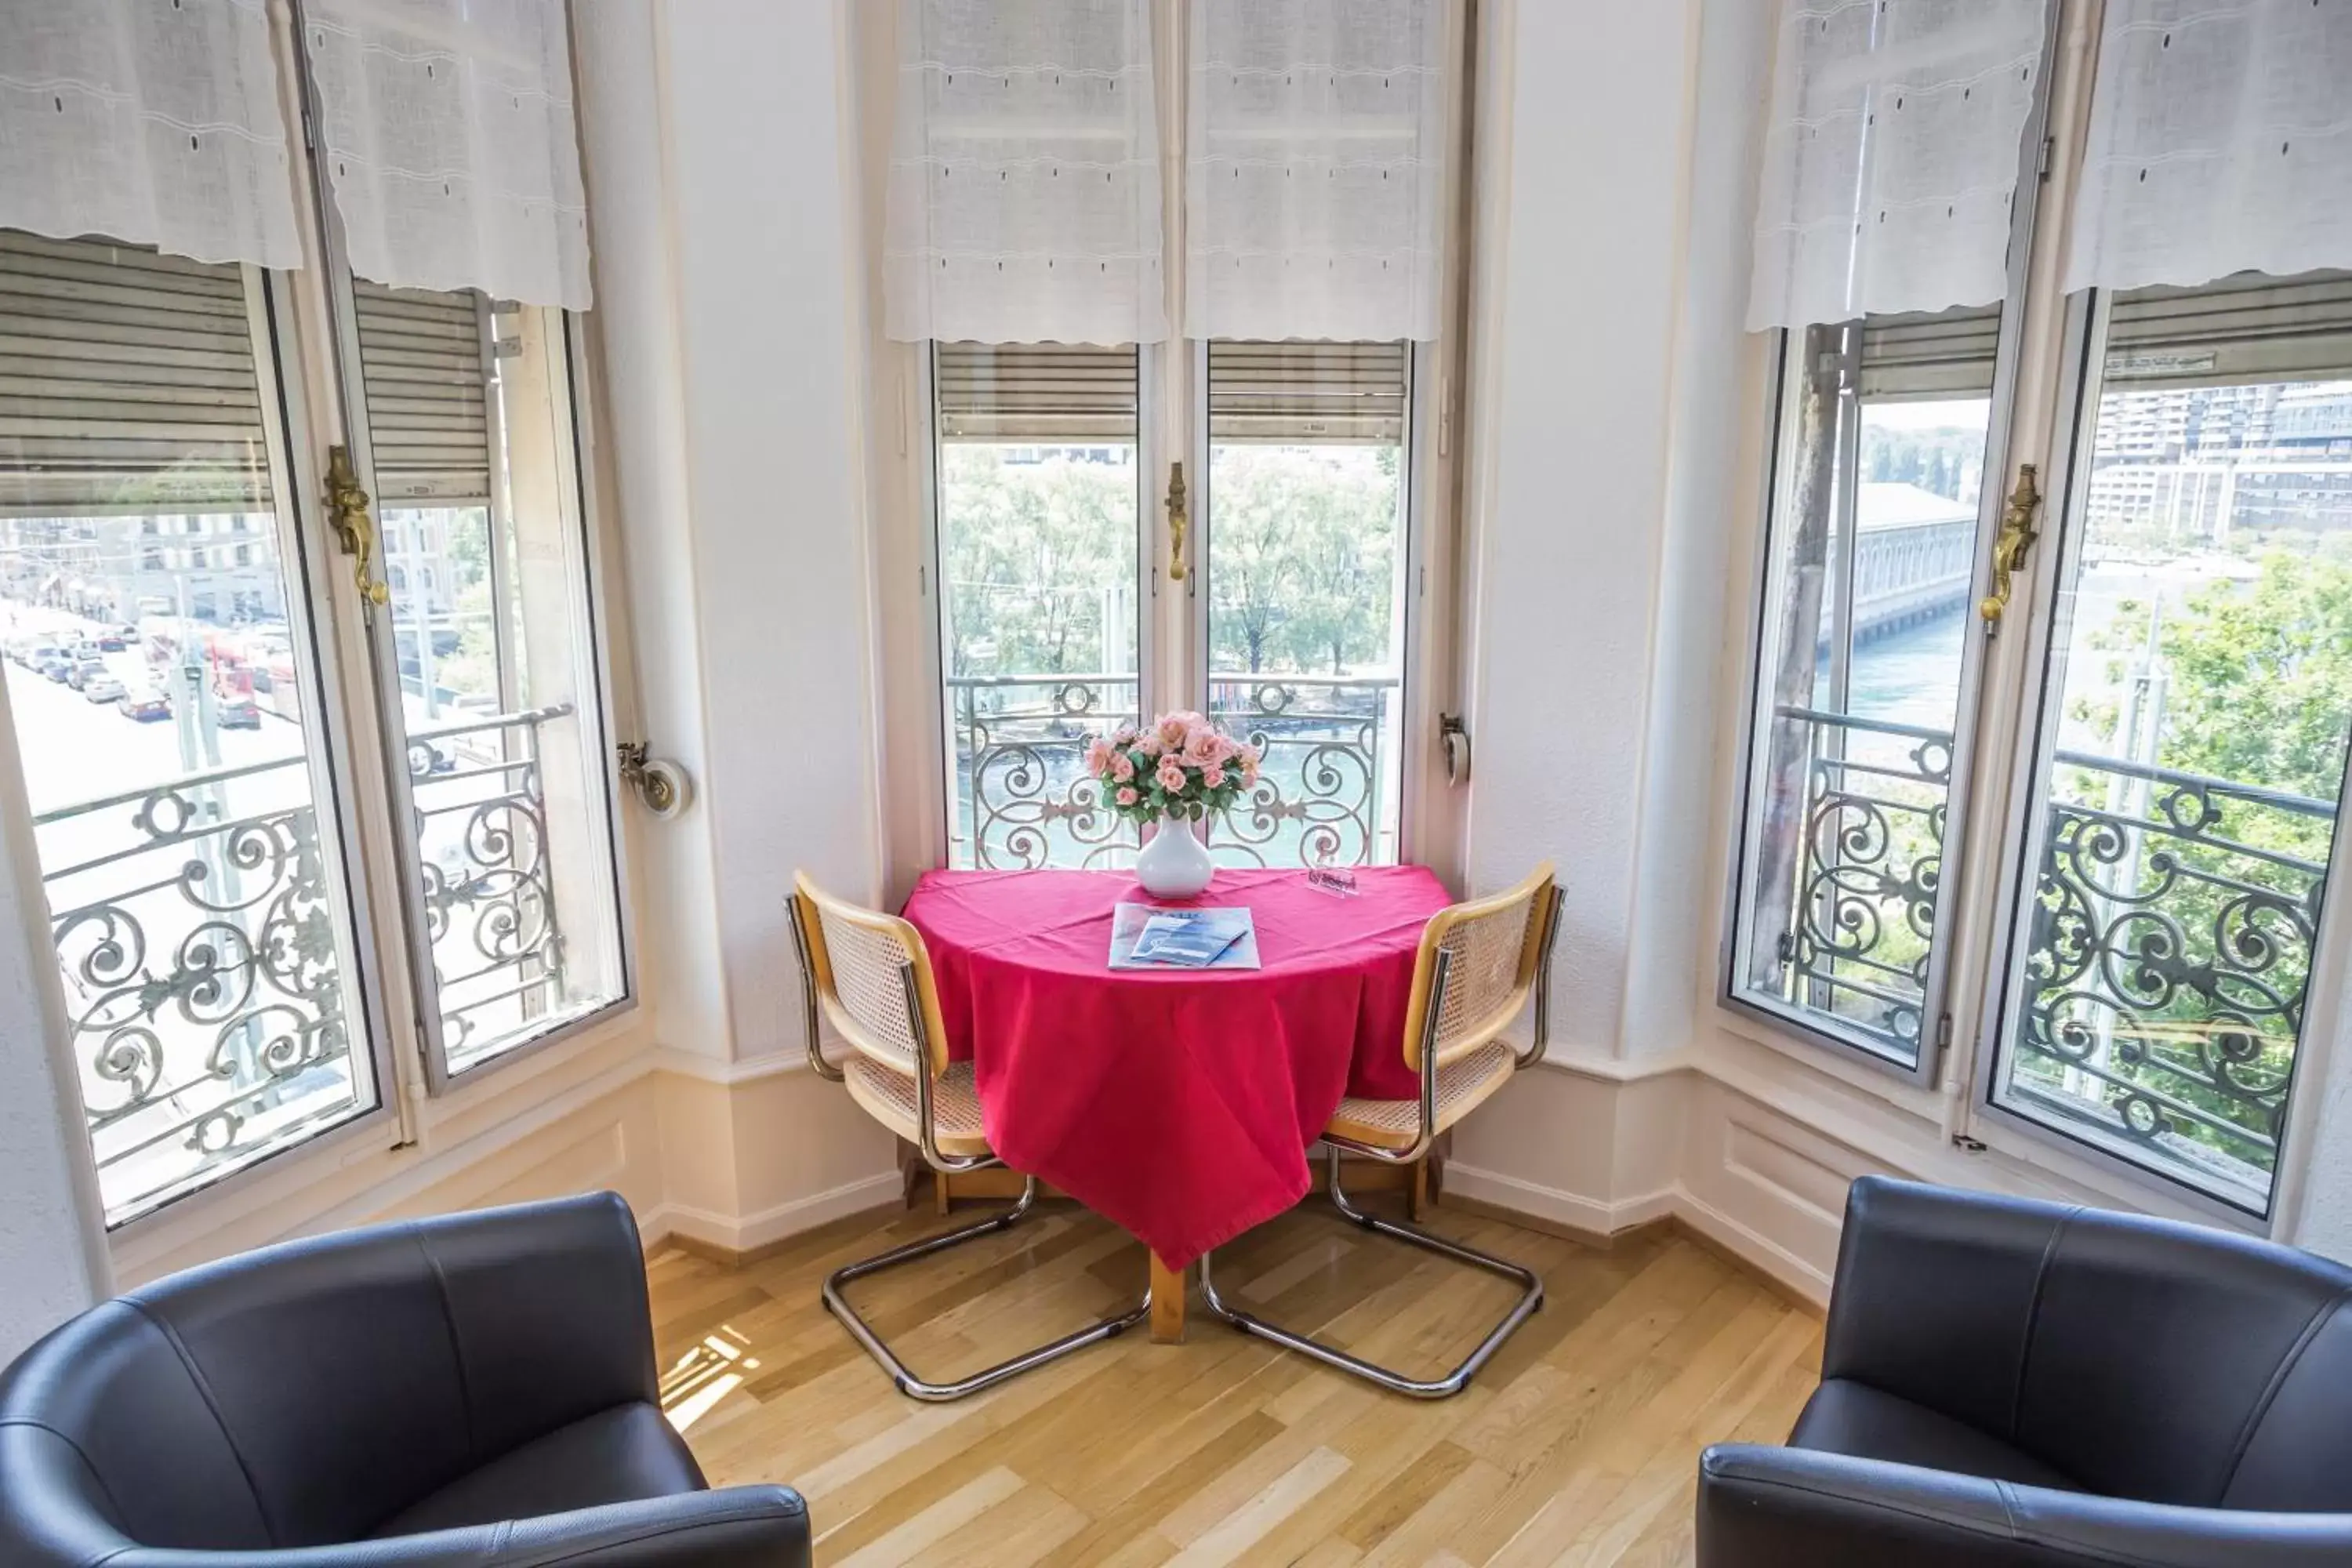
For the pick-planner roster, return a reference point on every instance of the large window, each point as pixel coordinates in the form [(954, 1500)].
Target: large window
[(489, 639), (1866, 625), (2191, 715), (1039, 509), (1305, 522), (2052, 634), (207, 612), (167, 709)]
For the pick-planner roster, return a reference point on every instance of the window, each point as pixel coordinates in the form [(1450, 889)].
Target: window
[(1187, 470), (180, 615), (1039, 508), (2191, 718), (191, 848), (1304, 523), (1865, 648), (2166, 633), (468, 415)]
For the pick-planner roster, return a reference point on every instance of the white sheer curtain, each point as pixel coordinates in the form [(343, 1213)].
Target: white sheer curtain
[(448, 132), (148, 121), (1024, 175), (1891, 157), (1315, 169), (2220, 143)]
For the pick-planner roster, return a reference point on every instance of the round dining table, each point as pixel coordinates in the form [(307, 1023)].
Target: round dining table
[(1179, 1103)]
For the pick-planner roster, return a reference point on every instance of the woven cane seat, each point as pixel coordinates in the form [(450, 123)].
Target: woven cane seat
[(889, 1097), (1462, 1084)]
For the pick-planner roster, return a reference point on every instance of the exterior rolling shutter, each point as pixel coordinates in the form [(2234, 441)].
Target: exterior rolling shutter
[(428, 421), (2242, 330), (1306, 393), (130, 384), (1920, 357), (1043, 391)]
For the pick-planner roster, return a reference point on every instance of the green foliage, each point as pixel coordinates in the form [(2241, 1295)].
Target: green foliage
[(1032, 552), (1937, 460), (1303, 557)]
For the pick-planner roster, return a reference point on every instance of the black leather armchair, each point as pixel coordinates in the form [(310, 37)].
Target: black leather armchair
[(2031, 1385), (477, 1390)]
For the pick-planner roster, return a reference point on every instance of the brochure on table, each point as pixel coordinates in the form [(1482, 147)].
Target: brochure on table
[(1144, 936)]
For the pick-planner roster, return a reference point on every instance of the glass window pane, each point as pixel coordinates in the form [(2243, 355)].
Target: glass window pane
[(164, 688), (2192, 735), (485, 551), (1869, 551), (1039, 508), (1306, 567)]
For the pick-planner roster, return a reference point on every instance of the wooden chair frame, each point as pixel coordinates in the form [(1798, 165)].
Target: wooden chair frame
[(819, 998), (1432, 970)]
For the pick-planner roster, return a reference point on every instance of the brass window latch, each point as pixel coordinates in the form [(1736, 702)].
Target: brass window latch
[(1178, 522), (2019, 529), (347, 510)]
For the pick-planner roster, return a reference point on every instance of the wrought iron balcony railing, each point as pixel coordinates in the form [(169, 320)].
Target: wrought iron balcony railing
[(1326, 794), (195, 932), (2169, 939)]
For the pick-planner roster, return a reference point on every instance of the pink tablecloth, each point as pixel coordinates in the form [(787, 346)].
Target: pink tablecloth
[(1179, 1104)]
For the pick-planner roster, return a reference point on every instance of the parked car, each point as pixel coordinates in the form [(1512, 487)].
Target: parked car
[(111, 642), (237, 714), (81, 671), (102, 689), (56, 666), (33, 653), (147, 707), (127, 632)]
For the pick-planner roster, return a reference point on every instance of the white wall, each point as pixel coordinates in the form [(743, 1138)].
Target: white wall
[(53, 1257), (1575, 298)]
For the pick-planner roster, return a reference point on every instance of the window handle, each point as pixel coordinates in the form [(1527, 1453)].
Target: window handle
[(347, 509), (2018, 532), (1178, 522)]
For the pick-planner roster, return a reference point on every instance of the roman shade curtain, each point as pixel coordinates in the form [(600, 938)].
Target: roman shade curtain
[(1890, 156), (448, 140), (2220, 142), (148, 122), (1025, 193), (1315, 167)]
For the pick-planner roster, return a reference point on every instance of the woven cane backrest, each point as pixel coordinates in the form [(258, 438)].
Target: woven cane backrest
[(862, 957), (1494, 947)]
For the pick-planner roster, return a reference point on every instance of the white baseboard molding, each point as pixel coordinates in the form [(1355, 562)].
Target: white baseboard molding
[(1572, 1210), (750, 1232), (1756, 1250)]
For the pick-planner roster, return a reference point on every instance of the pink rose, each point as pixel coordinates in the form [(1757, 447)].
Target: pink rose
[(1121, 768), (1149, 746), (1098, 757), (1124, 734), (1127, 796), (1249, 765), (1213, 776), (1172, 729), (1171, 777), (1202, 747)]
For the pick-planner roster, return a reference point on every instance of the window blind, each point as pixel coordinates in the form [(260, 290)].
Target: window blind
[(1307, 393), (1035, 393), (131, 384), (2248, 329), (1922, 356), (427, 415)]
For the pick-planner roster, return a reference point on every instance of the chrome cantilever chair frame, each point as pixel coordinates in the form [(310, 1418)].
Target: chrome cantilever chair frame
[(836, 1301), (1531, 1290)]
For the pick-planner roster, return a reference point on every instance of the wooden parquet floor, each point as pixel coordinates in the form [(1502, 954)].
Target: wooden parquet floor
[(1576, 1445)]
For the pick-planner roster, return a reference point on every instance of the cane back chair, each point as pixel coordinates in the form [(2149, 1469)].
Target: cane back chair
[(1479, 965), (869, 975)]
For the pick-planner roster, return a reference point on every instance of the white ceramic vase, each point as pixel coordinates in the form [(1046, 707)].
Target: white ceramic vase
[(1174, 864)]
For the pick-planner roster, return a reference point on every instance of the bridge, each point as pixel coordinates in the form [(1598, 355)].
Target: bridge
[(1914, 556)]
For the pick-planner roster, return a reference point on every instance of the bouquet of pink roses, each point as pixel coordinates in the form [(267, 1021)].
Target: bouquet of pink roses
[(1179, 766)]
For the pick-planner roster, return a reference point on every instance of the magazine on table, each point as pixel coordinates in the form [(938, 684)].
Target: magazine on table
[(1143, 937)]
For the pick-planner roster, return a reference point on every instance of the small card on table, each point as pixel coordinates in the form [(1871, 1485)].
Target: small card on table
[(1143, 937)]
